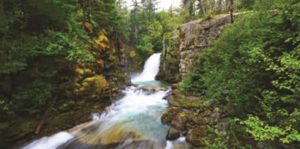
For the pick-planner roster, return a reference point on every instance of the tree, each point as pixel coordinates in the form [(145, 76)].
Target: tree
[(201, 7), (134, 22), (256, 75), (149, 8), (189, 6)]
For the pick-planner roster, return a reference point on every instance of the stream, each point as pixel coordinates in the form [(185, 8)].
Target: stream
[(132, 122)]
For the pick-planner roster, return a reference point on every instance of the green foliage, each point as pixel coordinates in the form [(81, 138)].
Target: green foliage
[(215, 139), (69, 45), (4, 106), (148, 28), (145, 45), (39, 39), (105, 14), (34, 95), (262, 131), (193, 83), (254, 66)]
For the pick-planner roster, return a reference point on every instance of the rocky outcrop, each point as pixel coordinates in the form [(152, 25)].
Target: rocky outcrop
[(169, 67), (173, 134), (169, 64), (192, 117), (197, 35)]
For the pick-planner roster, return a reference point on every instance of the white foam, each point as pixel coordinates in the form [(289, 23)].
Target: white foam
[(51, 142), (151, 69)]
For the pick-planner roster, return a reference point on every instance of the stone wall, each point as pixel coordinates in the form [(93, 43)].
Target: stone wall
[(197, 35)]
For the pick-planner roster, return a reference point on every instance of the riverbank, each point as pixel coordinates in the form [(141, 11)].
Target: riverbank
[(20, 130), (193, 117)]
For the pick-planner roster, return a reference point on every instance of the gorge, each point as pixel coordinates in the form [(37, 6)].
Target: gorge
[(131, 122), (106, 74)]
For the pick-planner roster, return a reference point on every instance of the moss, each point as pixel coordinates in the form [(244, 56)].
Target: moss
[(187, 103), (169, 115), (196, 135), (100, 63), (100, 82), (28, 126), (95, 84), (82, 71), (102, 40), (4, 125), (113, 58)]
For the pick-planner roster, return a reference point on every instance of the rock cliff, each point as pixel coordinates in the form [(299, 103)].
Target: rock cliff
[(197, 35)]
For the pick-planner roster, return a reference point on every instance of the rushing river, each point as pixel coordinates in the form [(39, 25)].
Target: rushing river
[(133, 122)]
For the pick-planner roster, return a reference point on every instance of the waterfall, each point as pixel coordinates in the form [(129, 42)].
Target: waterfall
[(151, 69), (131, 122), (50, 142)]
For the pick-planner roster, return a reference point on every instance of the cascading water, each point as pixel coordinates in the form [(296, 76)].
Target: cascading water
[(151, 69), (132, 122)]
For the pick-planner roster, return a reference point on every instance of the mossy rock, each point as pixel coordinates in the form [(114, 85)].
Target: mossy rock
[(84, 71), (198, 103), (96, 84), (169, 115), (180, 120), (196, 136), (173, 134)]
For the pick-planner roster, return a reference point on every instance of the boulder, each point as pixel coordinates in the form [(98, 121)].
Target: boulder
[(201, 120), (180, 121), (169, 115), (196, 135), (173, 134)]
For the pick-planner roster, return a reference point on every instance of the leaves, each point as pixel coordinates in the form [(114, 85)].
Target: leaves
[(254, 66), (261, 131)]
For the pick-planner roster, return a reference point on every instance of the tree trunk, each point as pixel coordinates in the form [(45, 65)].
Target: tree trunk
[(189, 6), (201, 7), (231, 11), (44, 118), (220, 7), (164, 53)]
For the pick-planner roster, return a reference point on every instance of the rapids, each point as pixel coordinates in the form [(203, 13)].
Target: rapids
[(132, 122)]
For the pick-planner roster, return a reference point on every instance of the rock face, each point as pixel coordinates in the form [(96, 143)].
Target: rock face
[(169, 65), (191, 117), (173, 134), (195, 136), (197, 35)]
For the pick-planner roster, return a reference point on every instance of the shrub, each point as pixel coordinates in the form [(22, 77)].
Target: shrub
[(255, 66)]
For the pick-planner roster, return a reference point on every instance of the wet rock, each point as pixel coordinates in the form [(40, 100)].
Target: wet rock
[(173, 134), (180, 120), (196, 135), (170, 97), (201, 120), (169, 115), (177, 93), (175, 86)]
